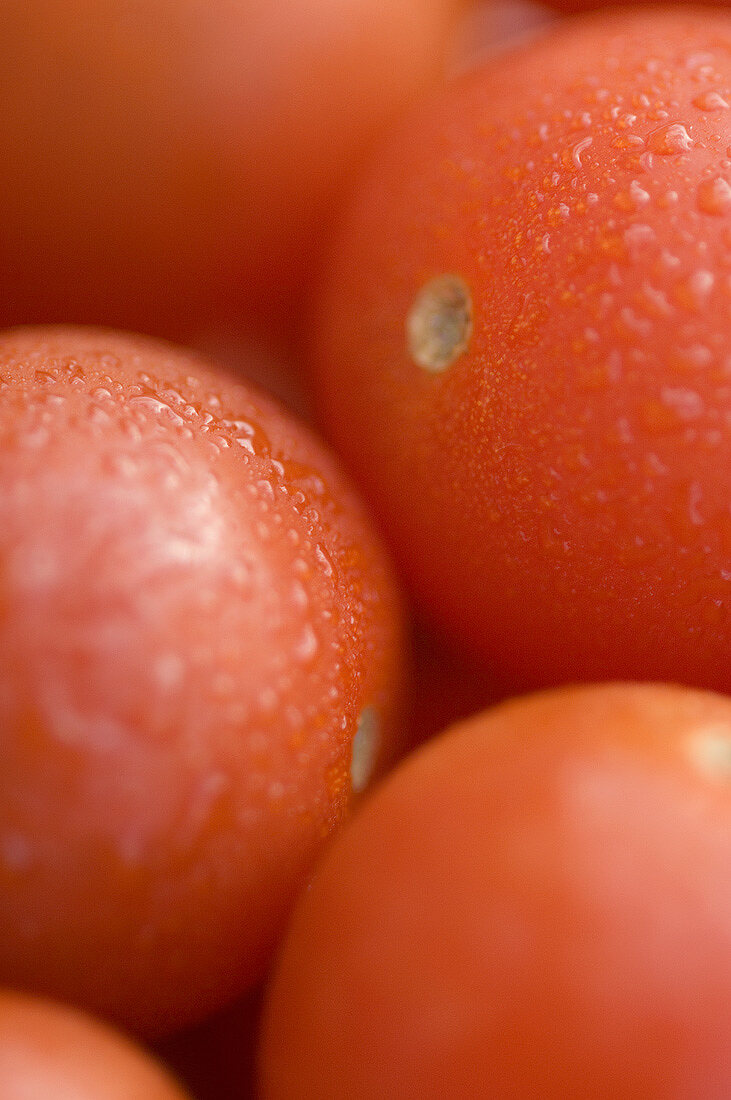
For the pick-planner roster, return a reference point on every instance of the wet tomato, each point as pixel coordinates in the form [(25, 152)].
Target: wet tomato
[(522, 349), (535, 904), (49, 1050), (199, 642)]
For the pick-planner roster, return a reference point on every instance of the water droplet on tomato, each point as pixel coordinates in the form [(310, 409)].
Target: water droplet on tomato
[(710, 101), (714, 196), (307, 646), (572, 156), (669, 140)]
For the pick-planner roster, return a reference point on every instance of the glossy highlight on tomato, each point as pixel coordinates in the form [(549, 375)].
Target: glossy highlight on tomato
[(535, 904), (51, 1051), (199, 666), (522, 350)]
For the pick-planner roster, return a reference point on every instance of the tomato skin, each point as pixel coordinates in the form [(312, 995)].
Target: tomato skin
[(535, 904), (201, 147), (195, 618), (50, 1050), (558, 496)]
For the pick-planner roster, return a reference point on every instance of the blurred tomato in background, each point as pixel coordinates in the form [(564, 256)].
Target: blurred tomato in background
[(175, 162)]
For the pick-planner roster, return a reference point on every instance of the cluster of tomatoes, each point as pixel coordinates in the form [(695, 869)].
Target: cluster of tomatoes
[(506, 296)]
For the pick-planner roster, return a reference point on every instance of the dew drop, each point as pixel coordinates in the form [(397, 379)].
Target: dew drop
[(156, 405), (299, 595), (572, 156), (656, 300), (699, 60), (694, 291), (439, 324), (325, 560), (686, 403), (638, 194), (710, 101), (670, 140), (307, 646), (638, 237), (714, 196), (695, 357), (366, 744)]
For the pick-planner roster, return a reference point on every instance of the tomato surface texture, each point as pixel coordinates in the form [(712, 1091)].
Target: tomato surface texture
[(199, 643), (535, 904), (522, 347)]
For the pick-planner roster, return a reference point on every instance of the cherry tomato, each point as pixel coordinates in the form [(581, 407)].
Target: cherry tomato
[(50, 1051), (536, 904), (175, 161), (199, 651), (522, 349)]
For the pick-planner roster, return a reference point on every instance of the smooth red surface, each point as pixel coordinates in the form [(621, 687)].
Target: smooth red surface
[(50, 1052), (177, 161), (194, 616), (558, 497), (536, 904)]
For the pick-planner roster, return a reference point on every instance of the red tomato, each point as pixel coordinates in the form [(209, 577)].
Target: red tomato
[(175, 160), (536, 904), (49, 1052), (523, 351), (199, 649)]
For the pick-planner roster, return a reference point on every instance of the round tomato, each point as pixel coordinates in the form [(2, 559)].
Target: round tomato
[(48, 1050), (522, 348), (175, 161), (199, 652), (536, 904)]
